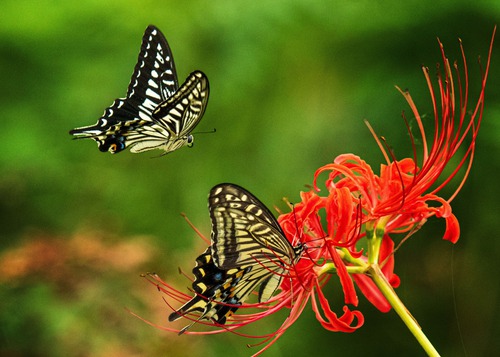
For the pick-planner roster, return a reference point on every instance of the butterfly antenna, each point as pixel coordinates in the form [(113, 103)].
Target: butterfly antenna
[(304, 245), (206, 132), (296, 224)]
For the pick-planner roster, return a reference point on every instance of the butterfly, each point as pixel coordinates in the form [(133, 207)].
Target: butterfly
[(156, 113), (248, 250)]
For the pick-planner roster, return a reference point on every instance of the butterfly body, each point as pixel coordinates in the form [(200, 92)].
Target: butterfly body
[(156, 113), (249, 250)]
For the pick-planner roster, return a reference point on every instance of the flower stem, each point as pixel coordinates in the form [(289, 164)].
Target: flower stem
[(379, 279)]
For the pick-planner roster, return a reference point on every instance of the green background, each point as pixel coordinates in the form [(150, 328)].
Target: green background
[(291, 82)]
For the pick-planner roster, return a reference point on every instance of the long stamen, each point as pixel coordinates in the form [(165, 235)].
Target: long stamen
[(195, 229), (377, 140)]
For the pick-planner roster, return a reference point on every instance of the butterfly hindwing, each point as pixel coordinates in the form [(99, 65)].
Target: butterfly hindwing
[(216, 294), (130, 122)]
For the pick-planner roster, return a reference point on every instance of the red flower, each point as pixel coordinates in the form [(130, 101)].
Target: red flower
[(308, 275), (401, 194), (333, 251), (404, 195)]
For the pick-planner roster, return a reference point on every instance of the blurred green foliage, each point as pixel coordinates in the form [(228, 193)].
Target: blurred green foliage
[(291, 82)]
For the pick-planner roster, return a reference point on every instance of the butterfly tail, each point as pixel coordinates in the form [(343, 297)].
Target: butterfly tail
[(196, 304)]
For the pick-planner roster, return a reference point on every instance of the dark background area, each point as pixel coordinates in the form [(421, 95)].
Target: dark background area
[(291, 82)]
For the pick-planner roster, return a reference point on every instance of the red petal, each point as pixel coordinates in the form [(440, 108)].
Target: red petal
[(387, 261), (350, 296), (371, 292), (332, 322), (339, 216), (452, 232)]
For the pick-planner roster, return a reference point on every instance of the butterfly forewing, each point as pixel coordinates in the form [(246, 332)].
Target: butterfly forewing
[(154, 80), (130, 122), (154, 77), (244, 231)]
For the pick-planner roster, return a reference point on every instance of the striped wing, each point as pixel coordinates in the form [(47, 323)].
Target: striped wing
[(246, 234), (130, 123), (218, 292), (175, 118), (249, 250)]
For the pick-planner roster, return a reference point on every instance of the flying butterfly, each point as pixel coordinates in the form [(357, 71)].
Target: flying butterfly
[(156, 113), (249, 250)]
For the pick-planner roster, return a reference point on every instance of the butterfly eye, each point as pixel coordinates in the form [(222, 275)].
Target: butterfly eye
[(190, 140)]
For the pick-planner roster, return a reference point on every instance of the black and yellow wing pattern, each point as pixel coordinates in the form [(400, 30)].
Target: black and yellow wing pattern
[(249, 250), (217, 292), (246, 234), (156, 113)]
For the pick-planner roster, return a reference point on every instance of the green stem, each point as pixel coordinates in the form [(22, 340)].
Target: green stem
[(330, 268), (379, 279)]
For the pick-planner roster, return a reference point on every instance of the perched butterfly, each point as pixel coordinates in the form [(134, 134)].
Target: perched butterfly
[(249, 250), (156, 113)]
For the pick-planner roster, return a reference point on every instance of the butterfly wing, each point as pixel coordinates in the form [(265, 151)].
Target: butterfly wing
[(180, 114), (248, 250), (154, 76), (176, 117), (128, 121), (218, 294), (245, 233)]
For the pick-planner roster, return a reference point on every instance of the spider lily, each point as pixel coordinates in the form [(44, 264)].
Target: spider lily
[(364, 210), (309, 276), (336, 252), (398, 199), (405, 193), (361, 210)]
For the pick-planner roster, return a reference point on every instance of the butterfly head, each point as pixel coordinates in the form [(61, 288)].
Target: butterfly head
[(298, 250), (189, 139)]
